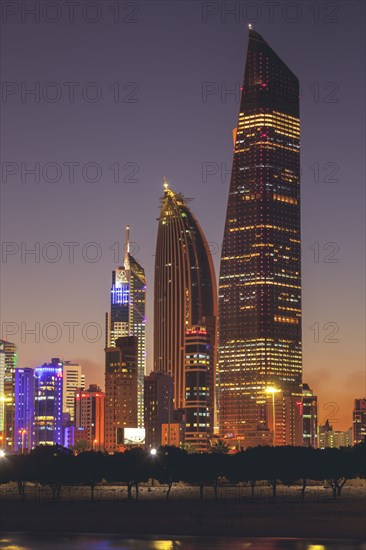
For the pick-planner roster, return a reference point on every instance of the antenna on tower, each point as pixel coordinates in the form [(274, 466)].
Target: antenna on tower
[(166, 185), (127, 248)]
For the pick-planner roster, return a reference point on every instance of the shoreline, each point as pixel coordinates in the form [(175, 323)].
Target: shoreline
[(184, 517)]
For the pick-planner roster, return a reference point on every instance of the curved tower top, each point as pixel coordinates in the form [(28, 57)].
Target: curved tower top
[(185, 288)]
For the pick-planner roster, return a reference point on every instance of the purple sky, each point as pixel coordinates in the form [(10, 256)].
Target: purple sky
[(165, 55)]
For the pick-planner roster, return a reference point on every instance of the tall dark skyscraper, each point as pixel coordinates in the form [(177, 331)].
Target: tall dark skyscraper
[(127, 314), (121, 376), (185, 294), (260, 275)]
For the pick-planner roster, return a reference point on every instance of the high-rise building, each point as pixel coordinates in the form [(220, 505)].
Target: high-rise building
[(7, 398), (72, 380), (24, 410), (89, 415), (310, 417), (48, 403), (172, 434), (120, 391), (334, 439), (185, 293), (359, 421), (198, 427), (127, 315), (158, 400), (260, 274), (2, 395)]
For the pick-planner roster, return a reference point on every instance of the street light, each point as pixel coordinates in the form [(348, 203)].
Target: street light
[(272, 391), (2, 453)]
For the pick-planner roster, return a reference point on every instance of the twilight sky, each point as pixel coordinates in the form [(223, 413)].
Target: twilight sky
[(142, 93)]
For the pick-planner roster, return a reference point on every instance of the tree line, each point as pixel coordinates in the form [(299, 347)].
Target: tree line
[(57, 467)]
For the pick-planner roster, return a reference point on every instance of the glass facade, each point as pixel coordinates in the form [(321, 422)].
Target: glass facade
[(48, 404), (24, 410), (185, 293), (198, 414), (260, 274), (127, 315)]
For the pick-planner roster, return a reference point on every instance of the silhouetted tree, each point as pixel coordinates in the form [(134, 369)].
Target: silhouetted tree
[(90, 469)]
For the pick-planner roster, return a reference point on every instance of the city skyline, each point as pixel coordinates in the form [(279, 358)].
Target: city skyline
[(323, 362)]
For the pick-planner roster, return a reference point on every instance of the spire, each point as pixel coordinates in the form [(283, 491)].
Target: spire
[(166, 184), (127, 248)]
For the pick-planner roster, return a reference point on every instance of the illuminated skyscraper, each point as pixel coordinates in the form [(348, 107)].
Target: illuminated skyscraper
[(359, 421), (260, 279), (89, 416), (8, 360), (127, 315), (310, 417), (185, 293), (24, 410), (48, 404), (198, 420), (73, 379)]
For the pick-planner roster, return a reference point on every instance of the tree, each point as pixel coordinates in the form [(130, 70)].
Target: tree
[(51, 465), (220, 447), (166, 465), (90, 469)]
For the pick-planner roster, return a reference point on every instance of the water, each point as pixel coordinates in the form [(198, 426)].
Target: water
[(112, 542)]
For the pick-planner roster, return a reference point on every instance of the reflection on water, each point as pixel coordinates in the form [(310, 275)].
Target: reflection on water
[(114, 542)]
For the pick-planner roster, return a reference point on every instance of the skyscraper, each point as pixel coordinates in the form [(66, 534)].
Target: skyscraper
[(48, 404), (359, 421), (158, 398), (127, 314), (310, 417), (197, 362), (120, 391), (260, 279), (8, 359), (184, 293), (2, 395), (24, 410), (89, 415), (72, 380)]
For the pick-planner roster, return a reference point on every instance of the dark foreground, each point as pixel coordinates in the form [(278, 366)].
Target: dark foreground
[(108, 542), (342, 519)]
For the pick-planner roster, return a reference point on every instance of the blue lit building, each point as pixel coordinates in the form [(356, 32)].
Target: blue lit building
[(48, 404), (24, 410), (127, 315)]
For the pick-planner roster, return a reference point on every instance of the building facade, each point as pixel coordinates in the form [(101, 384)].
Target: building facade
[(24, 410), (310, 417), (89, 415), (127, 314), (260, 273), (198, 421), (121, 378), (158, 406), (73, 379), (184, 293), (359, 421), (329, 438), (8, 351), (48, 404), (2, 396)]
